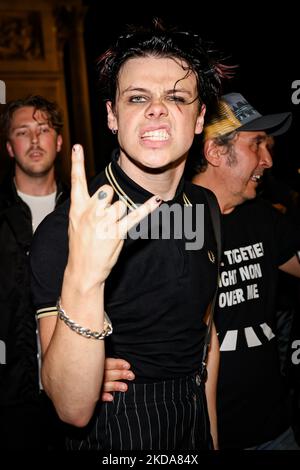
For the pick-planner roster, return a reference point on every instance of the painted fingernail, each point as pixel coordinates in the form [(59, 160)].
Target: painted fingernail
[(102, 195)]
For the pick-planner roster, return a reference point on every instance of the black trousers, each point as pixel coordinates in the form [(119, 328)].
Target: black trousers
[(168, 415)]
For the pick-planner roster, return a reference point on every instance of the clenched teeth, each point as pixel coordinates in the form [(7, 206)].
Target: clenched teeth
[(156, 135)]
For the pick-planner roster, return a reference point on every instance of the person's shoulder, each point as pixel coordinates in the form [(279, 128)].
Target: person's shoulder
[(7, 193), (48, 256), (55, 224), (53, 229), (62, 192), (260, 213), (198, 193), (260, 206)]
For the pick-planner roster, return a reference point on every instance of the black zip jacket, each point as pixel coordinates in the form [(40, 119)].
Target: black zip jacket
[(18, 343)]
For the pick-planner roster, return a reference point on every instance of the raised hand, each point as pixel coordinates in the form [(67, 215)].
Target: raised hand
[(97, 228)]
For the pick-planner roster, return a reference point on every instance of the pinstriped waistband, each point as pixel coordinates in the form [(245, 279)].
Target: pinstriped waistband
[(174, 389)]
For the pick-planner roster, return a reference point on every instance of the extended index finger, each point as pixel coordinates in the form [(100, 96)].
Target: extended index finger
[(79, 191)]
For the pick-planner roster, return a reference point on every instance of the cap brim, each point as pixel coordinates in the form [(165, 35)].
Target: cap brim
[(273, 124)]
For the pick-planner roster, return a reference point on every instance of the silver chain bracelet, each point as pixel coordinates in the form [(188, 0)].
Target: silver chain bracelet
[(86, 332)]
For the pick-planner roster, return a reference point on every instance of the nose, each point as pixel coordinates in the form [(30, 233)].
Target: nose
[(266, 159), (34, 136), (156, 109)]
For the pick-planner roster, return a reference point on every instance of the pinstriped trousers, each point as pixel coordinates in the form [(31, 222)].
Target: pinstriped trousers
[(168, 415)]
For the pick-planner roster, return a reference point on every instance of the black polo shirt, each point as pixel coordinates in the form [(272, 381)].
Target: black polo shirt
[(156, 295)]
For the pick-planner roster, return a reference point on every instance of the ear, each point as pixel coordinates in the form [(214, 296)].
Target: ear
[(10, 150), (112, 121), (200, 120), (59, 143), (212, 152)]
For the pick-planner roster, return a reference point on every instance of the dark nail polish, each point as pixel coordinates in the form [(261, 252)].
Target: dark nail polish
[(102, 195)]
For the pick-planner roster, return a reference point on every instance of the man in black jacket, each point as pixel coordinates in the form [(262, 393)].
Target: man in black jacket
[(31, 128)]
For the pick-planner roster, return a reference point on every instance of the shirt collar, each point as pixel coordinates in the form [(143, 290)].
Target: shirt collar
[(130, 188)]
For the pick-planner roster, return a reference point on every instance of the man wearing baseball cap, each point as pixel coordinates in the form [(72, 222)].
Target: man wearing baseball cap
[(258, 240), (234, 112)]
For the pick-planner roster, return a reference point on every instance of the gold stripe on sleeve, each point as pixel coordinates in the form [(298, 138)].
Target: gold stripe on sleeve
[(46, 312)]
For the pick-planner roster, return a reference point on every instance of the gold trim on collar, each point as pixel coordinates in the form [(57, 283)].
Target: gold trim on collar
[(186, 201), (211, 256), (123, 196)]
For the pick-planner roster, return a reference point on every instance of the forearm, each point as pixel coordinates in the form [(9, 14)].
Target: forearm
[(73, 365), (211, 385)]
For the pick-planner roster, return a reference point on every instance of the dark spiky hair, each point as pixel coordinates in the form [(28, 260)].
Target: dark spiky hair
[(158, 41)]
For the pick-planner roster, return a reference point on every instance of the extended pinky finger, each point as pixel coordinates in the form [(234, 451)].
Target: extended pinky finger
[(138, 214)]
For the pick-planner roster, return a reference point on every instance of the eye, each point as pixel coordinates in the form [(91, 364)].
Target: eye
[(137, 99), (177, 99), (21, 133), (256, 145), (44, 129)]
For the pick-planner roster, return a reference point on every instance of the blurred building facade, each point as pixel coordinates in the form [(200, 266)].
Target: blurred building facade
[(42, 52)]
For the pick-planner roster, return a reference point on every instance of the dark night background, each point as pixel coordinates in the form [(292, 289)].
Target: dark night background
[(262, 42)]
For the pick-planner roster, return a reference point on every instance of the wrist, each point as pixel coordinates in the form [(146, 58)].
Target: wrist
[(81, 330), (85, 305), (74, 281), (78, 296)]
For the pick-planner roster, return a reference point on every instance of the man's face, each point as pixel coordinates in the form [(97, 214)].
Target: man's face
[(32, 142), (250, 158), (156, 124)]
